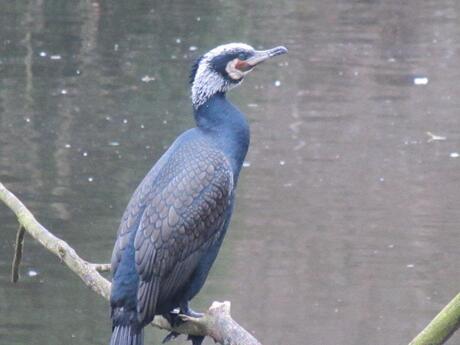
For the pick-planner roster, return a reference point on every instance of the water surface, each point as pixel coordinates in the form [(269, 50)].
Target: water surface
[(346, 225)]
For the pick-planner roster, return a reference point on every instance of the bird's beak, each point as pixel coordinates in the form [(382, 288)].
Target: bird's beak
[(262, 55)]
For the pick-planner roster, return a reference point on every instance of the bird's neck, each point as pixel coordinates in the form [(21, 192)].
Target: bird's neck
[(227, 126)]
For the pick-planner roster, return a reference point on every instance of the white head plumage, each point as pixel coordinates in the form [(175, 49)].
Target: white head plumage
[(207, 81)]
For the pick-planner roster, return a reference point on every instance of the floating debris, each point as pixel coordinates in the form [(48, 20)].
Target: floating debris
[(420, 81), (147, 79), (193, 48), (27, 119), (114, 143), (125, 121), (198, 19), (253, 105), (63, 92), (67, 146), (85, 154), (434, 137), (410, 266), (116, 46), (454, 155), (300, 145), (295, 126), (32, 273), (411, 142), (277, 83), (178, 40), (246, 164), (282, 162), (55, 57), (381, 179), (43, 54), (90, 179), (142, 126)]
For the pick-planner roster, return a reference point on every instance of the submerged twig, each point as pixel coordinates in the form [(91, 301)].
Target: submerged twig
[(17, 254), (216, 322), (60, 248)]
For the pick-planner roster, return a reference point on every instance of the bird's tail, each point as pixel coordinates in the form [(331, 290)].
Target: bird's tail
[(127, 335)]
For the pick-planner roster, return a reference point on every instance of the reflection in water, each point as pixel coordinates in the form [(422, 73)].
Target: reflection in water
[(346, 223)]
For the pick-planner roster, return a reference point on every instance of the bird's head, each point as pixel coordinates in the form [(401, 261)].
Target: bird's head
[(225, 67)]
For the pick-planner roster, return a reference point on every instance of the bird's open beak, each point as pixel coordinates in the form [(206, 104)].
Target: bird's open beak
[(262, 55)]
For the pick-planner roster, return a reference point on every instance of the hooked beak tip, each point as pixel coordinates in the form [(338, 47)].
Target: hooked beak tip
[(263, 55), (278, 51)]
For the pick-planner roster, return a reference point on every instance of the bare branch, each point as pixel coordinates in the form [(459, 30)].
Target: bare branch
[(441, 328), (216, 322), (60, 248)]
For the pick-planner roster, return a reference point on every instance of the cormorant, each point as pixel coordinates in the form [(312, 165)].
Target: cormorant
[(174, 224)]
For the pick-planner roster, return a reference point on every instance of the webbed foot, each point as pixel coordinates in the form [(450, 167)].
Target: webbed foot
[(186, 310), (196, 339), (170, 336), (174, 319)]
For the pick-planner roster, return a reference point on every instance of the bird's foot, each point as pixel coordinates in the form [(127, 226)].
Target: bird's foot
[(181, 315), (171, 336), (178, 317), (187, 311), (196, 339), (173, 318)]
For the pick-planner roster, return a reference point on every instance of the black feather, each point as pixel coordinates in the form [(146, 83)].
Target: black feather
[(194, 69)]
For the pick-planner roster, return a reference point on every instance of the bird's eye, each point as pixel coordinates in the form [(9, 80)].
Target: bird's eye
[(242, 56)]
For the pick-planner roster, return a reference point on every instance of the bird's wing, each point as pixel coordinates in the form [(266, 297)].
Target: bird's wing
[(182, 221), (130, 220), (134, 210), (128, 224)]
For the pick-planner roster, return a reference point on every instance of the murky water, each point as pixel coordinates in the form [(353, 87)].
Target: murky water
[(346, 227)]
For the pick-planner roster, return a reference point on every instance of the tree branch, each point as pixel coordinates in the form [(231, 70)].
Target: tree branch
[(101, 267), (442, 326), (216, 323)]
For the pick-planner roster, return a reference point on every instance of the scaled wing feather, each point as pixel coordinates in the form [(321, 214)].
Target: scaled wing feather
[(180, 223)]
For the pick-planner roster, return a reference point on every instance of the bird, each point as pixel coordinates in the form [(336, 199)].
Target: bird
[(176, 220)]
